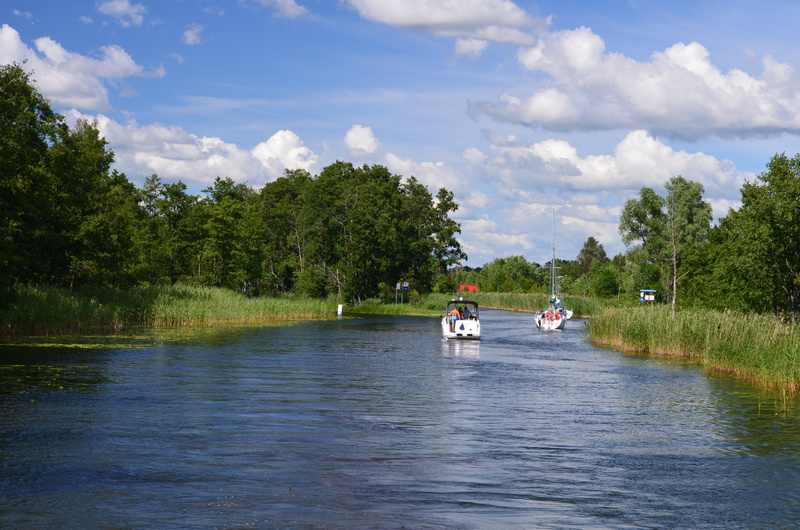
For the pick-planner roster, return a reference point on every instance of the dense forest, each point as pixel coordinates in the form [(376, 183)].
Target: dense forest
[(67, 219)]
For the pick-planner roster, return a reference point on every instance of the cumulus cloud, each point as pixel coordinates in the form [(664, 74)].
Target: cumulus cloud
[(679, 91), (471, 21), (123, 12), (176, 154), (638, 160), (69, 79), (434, 175), (192, 35), (284, 150), (173, 153), (285, 8), (360, 141)]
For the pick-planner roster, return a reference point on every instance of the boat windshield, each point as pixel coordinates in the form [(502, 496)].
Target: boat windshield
[(468, 309)]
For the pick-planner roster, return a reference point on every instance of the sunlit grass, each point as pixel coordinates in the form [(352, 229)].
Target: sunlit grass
[(50, 311), (434, 303), (751, 347)]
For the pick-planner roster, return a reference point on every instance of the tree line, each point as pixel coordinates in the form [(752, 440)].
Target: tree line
[(67, 219), (749, 261)]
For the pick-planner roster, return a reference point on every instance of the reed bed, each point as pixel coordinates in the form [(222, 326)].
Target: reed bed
[(50, 311), (434, 303), (529, 302), (757, 348)]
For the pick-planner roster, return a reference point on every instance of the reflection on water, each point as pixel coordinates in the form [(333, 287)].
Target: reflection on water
[(461, 348), (371, 422)]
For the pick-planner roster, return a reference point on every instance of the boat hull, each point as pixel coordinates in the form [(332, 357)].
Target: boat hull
[(464, 329), (549, 320)]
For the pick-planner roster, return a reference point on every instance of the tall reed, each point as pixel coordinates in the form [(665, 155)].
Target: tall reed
[(580, 305), (49, 310), (752, 347)]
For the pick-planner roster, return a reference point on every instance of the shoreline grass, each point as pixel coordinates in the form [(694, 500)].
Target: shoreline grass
[(755, 348), (52, 311), (434, 304)]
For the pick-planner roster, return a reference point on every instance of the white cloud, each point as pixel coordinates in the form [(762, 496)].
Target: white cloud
[(285, 8), (192, 35), (486, 20), (639, 160), (679, 91), (434, 175), (23, 14), (173, 153), (472, 47), (284, 150), (123, 12), (69, 79), (360, 141)]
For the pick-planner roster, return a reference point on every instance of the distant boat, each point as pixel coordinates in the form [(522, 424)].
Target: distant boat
[(555, 316), (461, 320)]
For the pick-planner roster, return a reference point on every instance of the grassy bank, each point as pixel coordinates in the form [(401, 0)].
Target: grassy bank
[(434, 304), (49, 311), (751, 347)]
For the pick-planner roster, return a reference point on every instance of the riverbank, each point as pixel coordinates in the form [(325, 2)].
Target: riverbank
[(52, 311), (755, 348), (434, 304)]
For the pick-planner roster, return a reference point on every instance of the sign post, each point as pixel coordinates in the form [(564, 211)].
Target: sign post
[(647, 295), (405, 290)]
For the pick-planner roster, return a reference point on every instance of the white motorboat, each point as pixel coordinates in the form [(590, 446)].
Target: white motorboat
[(461, 320)]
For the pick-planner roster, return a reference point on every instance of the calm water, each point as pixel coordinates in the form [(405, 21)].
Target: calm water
[(376, 422)]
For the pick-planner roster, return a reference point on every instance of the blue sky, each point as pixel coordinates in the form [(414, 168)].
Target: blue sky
[(517, 107)]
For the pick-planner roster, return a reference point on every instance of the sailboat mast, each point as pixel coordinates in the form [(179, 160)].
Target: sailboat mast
[(553, 260)]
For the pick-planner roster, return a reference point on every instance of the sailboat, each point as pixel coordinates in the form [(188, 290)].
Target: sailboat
[(555, 316)]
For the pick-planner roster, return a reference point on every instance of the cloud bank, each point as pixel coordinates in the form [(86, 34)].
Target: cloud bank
[(679, 92)]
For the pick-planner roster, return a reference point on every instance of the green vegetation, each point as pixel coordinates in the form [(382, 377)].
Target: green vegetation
[(68, 221), (749, 346), (51, 310)]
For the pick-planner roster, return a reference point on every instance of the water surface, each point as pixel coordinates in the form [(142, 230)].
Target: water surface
[(377, 422)]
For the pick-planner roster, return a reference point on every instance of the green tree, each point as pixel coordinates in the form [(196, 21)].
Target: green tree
[(689, 221), (643, 220), (285, 233), (592, 251), (223, 213), (762, 239), (511, 274), (28, 126), (446, 250), (603, 279), (665, 235), (80, 237)]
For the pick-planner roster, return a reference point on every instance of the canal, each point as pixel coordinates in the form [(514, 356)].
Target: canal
[(377, 422)]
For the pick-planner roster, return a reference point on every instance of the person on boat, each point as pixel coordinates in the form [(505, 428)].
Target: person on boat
[(455, 315), (466, 314)]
